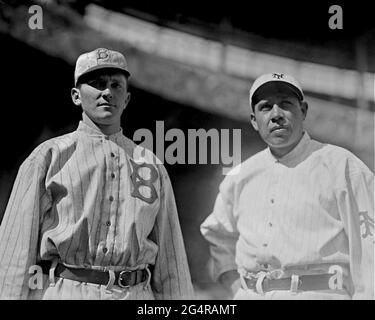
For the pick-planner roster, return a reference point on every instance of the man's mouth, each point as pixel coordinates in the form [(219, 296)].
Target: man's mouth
[(105, 104), (278, 128)]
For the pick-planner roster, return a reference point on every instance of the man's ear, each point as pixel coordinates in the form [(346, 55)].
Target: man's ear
[(76, 96), (127, 99), (304, 108), (253, 121)]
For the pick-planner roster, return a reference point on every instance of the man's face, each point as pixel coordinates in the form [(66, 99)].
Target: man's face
[(103, 96), (278, 117)]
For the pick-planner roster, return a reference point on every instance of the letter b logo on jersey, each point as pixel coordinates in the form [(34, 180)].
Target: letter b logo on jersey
[(143, 177)]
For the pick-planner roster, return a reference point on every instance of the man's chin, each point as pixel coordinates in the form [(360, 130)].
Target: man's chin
[(278, 142), (105, 119)]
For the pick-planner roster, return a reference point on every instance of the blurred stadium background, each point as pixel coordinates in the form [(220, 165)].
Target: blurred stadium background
[(192, 67)]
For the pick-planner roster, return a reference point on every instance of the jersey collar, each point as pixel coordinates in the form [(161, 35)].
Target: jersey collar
[(296, 154), (91, 129)]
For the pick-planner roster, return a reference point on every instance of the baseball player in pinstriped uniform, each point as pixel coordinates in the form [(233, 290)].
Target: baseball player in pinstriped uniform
[(297, 221), (99, 220)]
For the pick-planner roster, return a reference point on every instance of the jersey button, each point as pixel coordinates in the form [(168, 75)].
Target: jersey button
[(111, 198), (113, 175), (105, 250), (112, 155), (108, 223)]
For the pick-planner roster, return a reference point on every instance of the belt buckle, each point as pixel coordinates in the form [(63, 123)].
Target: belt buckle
[(120, 278), (276, 274)]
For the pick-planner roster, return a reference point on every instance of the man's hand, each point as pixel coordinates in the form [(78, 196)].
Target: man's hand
[(231, 281)]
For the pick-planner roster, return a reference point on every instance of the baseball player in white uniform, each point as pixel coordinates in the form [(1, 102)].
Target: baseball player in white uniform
[(297, 221), (96, 220)]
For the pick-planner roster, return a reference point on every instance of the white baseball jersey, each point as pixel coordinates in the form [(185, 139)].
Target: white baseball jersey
[(308, 210), (83, 199)]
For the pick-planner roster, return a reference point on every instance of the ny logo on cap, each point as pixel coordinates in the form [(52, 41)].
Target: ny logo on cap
[(278, 75), (102, 54)]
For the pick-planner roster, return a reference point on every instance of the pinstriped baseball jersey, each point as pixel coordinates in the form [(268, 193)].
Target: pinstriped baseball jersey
[(308, 210), (84, 199)]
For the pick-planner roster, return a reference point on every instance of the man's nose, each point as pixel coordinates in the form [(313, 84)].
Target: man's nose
[(276, 112), (107, 93)]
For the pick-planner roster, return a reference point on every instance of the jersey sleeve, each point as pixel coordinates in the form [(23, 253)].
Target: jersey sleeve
[(171, 276), (356, 202), (220, 230), (19, 230)]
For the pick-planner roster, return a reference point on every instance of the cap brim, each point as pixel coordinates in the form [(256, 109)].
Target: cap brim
[(292, 88), (103, 66)]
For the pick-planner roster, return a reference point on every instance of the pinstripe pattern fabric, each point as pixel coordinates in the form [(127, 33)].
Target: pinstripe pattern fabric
[(308, 210), (78, 198)]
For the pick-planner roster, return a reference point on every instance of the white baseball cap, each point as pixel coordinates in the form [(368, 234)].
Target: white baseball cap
[(276, 77), (98, 59)]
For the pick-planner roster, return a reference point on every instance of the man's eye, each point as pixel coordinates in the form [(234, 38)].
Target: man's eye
[(116, 85), (286, 103), (265, 107), (101, 84), (92, 83), (98, 84)]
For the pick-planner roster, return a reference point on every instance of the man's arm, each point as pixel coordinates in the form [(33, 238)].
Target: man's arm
[(230, 280), (221, 232), (356, 203), (171, 275), (19, 230)]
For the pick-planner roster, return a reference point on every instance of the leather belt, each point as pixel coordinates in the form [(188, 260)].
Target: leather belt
[(305, 283), (124, 279)]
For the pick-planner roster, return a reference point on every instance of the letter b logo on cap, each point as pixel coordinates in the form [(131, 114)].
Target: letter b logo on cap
[(102, 54)]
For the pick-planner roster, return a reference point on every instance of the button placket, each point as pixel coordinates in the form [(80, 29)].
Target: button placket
[(106, 230), (270, 202), (103, 244), (112, 175), (273, 195), (273, 187)]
